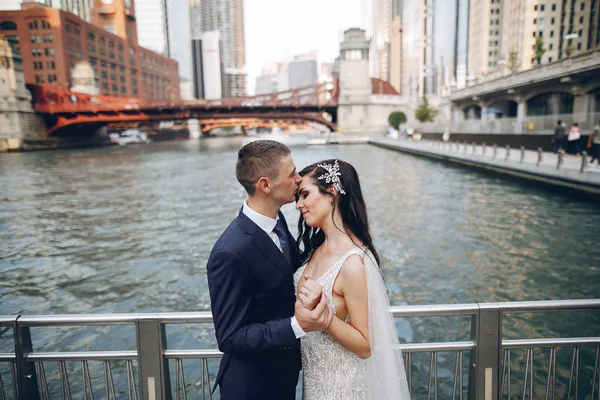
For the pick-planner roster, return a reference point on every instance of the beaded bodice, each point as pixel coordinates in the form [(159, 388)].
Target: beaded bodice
[(330, 372)]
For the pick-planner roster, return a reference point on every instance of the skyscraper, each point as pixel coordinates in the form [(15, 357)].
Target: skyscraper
[(226, 17), (377, 22), (164, 26)]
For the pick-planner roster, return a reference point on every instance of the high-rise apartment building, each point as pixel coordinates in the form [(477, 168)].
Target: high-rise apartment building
[(226, 17), (434, 37), (502, 33), (164, 26), (208, 68), (377, 22)]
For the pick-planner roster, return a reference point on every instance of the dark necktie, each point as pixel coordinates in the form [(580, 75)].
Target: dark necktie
[(281, 232)]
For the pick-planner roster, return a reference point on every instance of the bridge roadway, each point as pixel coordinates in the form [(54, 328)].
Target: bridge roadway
[(573, 173)]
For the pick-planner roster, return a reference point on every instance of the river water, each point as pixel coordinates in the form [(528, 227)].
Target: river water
[(129, 229)]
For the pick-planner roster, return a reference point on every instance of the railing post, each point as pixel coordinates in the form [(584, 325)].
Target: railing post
[(26, 375), (155, 379), (522, 154), (507, 152), (484, 367), (540, 152), (583, 161), (559, 159), (474, 147), (495, 150), (483, 151)]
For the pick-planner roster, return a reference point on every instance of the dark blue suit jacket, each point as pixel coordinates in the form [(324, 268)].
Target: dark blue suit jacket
[(252, 300)]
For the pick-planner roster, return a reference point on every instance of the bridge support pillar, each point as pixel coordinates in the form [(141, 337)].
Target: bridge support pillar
[(580, 104), (521, 114)]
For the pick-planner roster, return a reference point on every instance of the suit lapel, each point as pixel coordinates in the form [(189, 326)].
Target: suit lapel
[(264, 243)]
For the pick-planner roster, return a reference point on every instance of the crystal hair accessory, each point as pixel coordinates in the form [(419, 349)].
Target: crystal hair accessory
[(332, 175)]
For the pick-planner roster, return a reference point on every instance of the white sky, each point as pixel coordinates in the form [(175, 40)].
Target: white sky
[(276, 30)]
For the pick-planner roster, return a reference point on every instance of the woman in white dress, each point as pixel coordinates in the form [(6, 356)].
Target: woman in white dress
[(357, 357)]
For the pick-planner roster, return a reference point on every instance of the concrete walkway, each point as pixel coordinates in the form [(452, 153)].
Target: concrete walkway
[(543, 167)]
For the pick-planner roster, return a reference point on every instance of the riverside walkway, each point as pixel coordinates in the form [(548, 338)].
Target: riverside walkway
[(566, 171)]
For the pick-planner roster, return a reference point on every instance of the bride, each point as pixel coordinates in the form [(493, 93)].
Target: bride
[(357, 357)]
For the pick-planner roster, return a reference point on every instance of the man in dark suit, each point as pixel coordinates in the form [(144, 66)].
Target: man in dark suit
[(257, 320)]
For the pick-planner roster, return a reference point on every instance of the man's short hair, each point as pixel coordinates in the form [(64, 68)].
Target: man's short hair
[(559, 122), (257, 159)]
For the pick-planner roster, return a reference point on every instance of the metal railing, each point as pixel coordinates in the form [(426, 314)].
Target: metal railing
[(490, 368), (542, 124)]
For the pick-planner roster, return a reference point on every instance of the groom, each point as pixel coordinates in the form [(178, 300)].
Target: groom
[(250, 277)]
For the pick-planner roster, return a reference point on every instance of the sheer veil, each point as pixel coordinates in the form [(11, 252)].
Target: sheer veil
[(385, 368)]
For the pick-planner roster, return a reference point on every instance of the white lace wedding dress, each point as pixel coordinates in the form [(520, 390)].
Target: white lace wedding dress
[(333, 373)]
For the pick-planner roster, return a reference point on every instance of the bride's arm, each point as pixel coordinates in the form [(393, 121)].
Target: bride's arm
[(351, 283)]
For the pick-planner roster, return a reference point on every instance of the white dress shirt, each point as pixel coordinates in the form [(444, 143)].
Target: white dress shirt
[(267, 224)]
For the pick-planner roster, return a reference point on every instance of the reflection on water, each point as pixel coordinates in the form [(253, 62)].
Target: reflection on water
[(129, 229)]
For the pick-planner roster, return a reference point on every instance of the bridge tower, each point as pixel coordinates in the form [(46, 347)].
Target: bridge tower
[(18, 122), (360, 112)]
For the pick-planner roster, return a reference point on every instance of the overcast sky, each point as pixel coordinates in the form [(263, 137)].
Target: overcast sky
[(276, 30)]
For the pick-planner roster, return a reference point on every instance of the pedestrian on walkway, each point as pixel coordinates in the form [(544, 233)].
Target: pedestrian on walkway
[(574, 138), (559, 137), (594, 144)]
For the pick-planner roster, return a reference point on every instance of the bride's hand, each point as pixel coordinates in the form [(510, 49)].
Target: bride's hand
[(310, 292)]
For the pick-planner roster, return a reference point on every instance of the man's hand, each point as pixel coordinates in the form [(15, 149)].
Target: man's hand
[(314, 320), (310, 292)]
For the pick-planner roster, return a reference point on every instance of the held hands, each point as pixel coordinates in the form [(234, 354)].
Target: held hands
[(318, 318), (310, 292)]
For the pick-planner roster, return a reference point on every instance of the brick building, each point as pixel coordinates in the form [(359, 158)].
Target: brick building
[(57, 46)]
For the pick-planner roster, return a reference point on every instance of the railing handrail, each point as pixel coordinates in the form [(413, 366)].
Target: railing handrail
[(426, 310)]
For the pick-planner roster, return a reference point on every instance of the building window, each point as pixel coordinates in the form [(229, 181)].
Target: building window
[(581, 19), (33, 24), (542, 7), (12, 39), (535, 8), (122, 79), (51, 78), (535, 20), (552, 21), (36, 52), (103, 63), (48, 38), (578, 46), (8, 26), (551, 33), (114, 87), (111, 54), (123, 90), (549, 59), (105, 86), (111, 44), (40, 79), (113, 66), (104, 74), (582, 6), (101, 40), (541, 34), (35, 38), (581, 33), (550, 47), (50, 65), (102, 51), (49, 51), (121, 69), (533, 34), (135, 92), (553, 7), (113, 77), (91, 37), (91, 48), (93, 60)]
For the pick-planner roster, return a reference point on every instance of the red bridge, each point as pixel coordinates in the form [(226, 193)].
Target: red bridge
[(65, 111)]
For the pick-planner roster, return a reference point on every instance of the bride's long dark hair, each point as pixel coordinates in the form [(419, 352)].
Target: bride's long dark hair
[(351, 205)]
